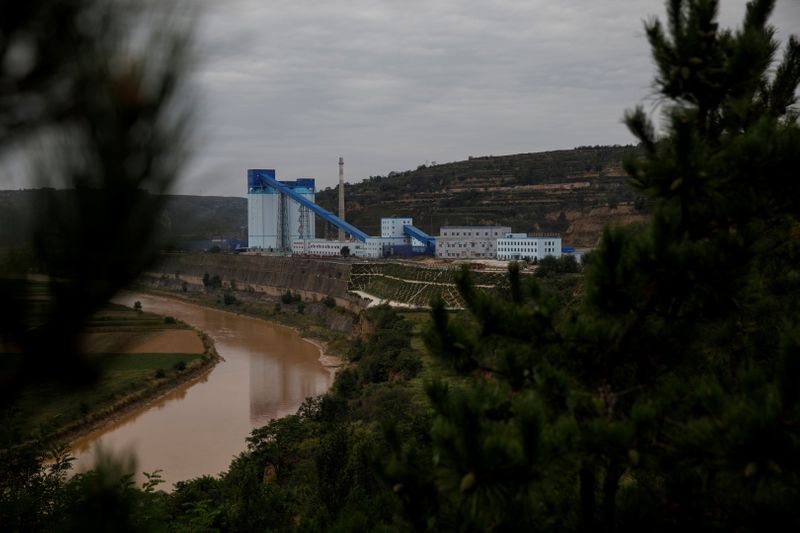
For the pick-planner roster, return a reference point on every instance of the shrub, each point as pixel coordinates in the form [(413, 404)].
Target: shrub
[(170, 320), (180, 366), (301, 307), (346, 383), (287, 297), (230, 299), (160, 373), (551, 266), (408, 364), (329, 301)]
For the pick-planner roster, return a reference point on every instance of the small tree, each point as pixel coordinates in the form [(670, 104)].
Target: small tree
[(137, 306), (345, 251)]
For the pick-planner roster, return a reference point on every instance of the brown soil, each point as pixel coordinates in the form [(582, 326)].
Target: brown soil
[(163, 341)]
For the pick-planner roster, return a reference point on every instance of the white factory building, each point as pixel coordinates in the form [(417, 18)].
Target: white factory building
[(373, 247), (393, 226), (326, 248), (465, 242), (518, 246)]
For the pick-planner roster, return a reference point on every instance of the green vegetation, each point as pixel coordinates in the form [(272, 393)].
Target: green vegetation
[(549, 265), (212, 282), (661, 394), (289, 297), (123, 374), (47, 408), (666, 398)]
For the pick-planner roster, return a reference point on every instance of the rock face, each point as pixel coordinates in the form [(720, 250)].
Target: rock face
[(268, 275)]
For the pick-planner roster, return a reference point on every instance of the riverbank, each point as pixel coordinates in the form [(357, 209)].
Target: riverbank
[(331, 345), (140, 357), (269, 371), (298, 316), (194, 371)]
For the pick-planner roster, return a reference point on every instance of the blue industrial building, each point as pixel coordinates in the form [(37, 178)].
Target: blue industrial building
[(280, 215)]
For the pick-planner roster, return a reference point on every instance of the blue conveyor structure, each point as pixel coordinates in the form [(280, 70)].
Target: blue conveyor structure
[(262, 177), (420, 235)]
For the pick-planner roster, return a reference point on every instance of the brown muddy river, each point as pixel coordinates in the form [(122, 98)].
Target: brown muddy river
[(267, 372)]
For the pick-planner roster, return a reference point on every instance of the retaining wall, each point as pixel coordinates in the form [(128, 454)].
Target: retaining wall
[(270, 275)]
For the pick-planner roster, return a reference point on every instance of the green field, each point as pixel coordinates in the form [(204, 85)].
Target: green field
[(45, 408)]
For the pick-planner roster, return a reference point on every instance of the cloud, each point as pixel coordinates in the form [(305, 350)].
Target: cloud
[(388, 85)]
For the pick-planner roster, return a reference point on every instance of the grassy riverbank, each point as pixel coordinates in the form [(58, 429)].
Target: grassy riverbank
[(140, 356)]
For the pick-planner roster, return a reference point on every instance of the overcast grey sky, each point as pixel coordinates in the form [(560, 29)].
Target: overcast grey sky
[(389, 85), (392, 84)]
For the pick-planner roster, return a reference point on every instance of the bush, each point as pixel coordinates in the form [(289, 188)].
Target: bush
[(287, 297), (301, 307), (329, 301), (346, 383), (170, 320), (214, 281), (551, 266), (230, 299), (180, 366), (408, 364), (160, 373)]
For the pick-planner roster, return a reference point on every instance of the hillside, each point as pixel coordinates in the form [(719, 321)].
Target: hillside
[(184, 218), (574, 192)]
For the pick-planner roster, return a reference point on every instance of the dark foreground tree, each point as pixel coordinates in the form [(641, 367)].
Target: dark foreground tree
[(89, 99), (669, 396)]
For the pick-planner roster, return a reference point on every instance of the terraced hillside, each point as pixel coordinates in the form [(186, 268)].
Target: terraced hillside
[(416, 284), (573, 192)]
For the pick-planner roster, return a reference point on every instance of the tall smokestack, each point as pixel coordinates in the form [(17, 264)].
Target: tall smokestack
[(341, 196)]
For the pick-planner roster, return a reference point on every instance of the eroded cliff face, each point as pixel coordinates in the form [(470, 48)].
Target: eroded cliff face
[(267, 275), (585, 228)]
